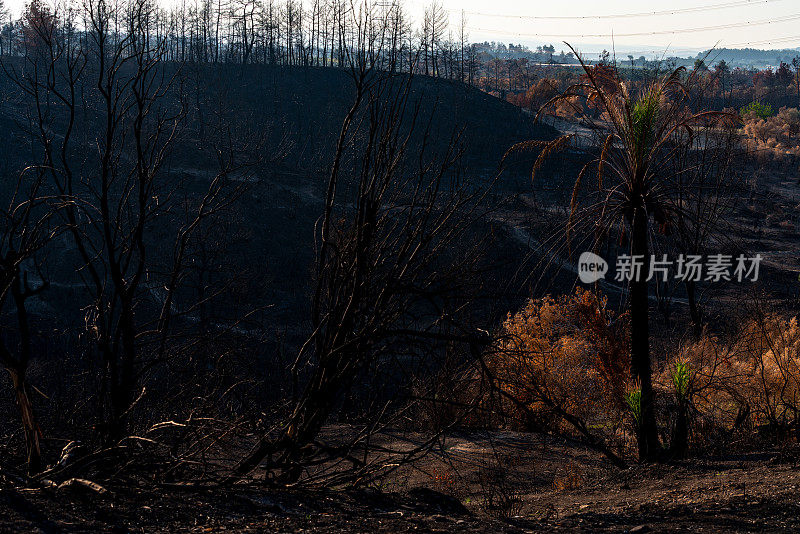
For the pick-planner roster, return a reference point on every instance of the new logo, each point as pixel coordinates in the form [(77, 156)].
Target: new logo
[(591, 268)]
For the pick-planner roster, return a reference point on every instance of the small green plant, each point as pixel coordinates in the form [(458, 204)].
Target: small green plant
[(633, 399), (758, 110), (681, 376)]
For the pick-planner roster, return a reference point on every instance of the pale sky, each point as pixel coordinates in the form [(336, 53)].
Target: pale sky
[(679, 27), (748, 23)]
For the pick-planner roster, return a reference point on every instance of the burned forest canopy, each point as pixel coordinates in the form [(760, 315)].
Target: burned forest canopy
[(244, 248), (265, 248)]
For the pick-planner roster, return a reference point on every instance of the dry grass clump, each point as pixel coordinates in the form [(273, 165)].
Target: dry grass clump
[(500, 494), (569, 477)]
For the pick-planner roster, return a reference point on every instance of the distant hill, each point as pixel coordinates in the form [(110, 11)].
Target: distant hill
[(303, 108), (750, 57), (293, 116)]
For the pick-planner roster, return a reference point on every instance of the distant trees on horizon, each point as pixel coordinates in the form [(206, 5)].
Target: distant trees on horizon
[(319, 33)]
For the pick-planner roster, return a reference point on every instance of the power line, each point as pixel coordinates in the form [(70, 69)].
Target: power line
[(695, 9), (795, 38), (787, 18)]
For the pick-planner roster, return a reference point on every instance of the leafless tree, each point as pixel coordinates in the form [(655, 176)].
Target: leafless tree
[(131, 110), (706, 192), (26, 229), (392, 223)]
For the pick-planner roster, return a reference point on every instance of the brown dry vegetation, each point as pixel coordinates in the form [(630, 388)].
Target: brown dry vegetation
[(777, 135), (562, 365)]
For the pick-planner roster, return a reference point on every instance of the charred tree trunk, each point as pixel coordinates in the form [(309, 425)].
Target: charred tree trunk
[(17, 368), (694, 310), (30, 426), (649, 446), (679, 447), (122, 393)]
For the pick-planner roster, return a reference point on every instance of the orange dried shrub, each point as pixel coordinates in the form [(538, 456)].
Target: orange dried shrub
[(540, 93), (569, 477), (563, 357), (778, 135), (752, 380), (568, 108)]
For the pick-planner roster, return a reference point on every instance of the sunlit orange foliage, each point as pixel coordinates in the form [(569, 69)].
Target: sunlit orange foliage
[(539, 93), (542, 92), (757, 374), (779, 134), (564, 355), (605, 76)]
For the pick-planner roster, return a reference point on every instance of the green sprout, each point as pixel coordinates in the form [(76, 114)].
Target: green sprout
[(633, 399), (681, 375)]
